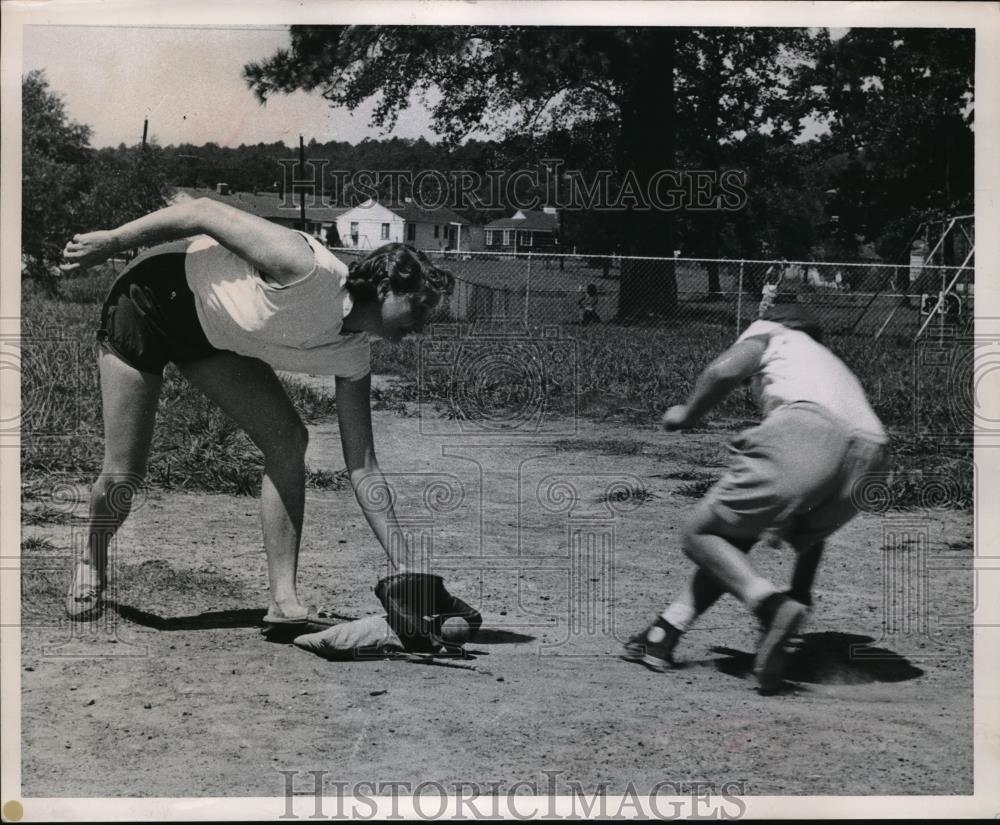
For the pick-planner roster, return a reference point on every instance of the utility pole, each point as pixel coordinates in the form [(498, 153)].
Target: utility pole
[(302, 191), (145, 131)]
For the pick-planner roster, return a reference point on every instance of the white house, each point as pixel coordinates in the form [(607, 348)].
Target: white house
[(373, 224), (369, 226), (434, 229), (524, 231)]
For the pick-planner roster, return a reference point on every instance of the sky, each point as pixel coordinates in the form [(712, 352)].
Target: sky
[(188, 82)]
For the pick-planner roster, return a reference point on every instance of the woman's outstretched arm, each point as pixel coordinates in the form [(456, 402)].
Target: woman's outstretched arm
[(275, 250), (370, 488)]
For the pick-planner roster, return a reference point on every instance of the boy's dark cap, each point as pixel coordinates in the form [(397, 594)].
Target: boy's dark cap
[(795, 316)]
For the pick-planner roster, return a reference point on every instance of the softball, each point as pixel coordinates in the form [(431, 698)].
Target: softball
[(455, 631)]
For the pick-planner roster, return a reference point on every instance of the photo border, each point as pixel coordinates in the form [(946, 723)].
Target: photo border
[(983, 17)]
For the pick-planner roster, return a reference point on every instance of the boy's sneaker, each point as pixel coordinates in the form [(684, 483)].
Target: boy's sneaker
[(780, 615), (654, 647)]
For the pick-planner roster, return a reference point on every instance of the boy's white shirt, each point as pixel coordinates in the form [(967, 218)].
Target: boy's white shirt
[(294, 327), (794, 367)]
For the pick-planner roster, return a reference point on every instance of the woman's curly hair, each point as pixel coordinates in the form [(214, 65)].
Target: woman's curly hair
[(407, 271)]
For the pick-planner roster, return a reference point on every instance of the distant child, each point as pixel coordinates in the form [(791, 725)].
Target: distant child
[(588, 305), (793, 475), (769, 292)]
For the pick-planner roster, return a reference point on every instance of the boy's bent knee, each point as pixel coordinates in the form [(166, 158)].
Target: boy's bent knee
[(692, 547), (703, 520), (705, 523)]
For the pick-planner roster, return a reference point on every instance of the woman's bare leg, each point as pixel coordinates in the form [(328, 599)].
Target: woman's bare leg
[(128, 398), (248, 391)]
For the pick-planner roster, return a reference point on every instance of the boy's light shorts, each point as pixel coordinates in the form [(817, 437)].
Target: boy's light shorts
[(794, 474)]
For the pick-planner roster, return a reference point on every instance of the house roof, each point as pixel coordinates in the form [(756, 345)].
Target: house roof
[(371, 210), (265, 204), (529, 220), (414, 214)]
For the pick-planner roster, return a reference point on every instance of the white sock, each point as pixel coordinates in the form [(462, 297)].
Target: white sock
[(680, 614)]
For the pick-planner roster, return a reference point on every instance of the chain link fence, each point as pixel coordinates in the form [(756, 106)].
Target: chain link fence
[(864, 299), (642, 329)]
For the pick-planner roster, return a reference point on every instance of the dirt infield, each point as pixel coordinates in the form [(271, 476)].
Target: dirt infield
[(569, 543)]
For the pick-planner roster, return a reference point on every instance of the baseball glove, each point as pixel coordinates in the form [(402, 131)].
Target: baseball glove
[(417, 604)]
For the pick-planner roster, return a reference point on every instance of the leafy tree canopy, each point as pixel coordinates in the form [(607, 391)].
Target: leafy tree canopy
[(67, 187), (900, 105)]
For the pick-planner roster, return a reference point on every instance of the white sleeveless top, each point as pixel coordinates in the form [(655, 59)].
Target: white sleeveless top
[(795, 367), (294, 327)]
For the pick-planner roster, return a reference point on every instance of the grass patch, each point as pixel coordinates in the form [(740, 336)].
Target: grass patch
[(36, 544), (195, 446), (397, 399), (312, 404), (630, 494), (327, 480), (46, 514), (682, 475), (91, 286), (697, 488), (606, 446), (716, 455), (629, 374)]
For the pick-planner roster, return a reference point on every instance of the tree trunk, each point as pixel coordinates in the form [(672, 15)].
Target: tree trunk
[(712, 252), (648, 287)]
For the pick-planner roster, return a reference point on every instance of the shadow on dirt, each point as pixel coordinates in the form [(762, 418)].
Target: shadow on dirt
[(485, 636), (212, 620), (254, 618), (829, 658), (227, 619)]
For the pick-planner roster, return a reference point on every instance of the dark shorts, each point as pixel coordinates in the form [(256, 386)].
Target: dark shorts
[(149, 317)]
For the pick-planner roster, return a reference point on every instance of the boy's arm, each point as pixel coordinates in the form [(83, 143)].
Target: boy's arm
[(274, 250), (718, 379)]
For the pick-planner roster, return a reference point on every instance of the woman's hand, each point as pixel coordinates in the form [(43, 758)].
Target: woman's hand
[(88, 249)]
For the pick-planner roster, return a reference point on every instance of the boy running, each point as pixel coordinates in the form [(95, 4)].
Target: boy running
[(792, 475)]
